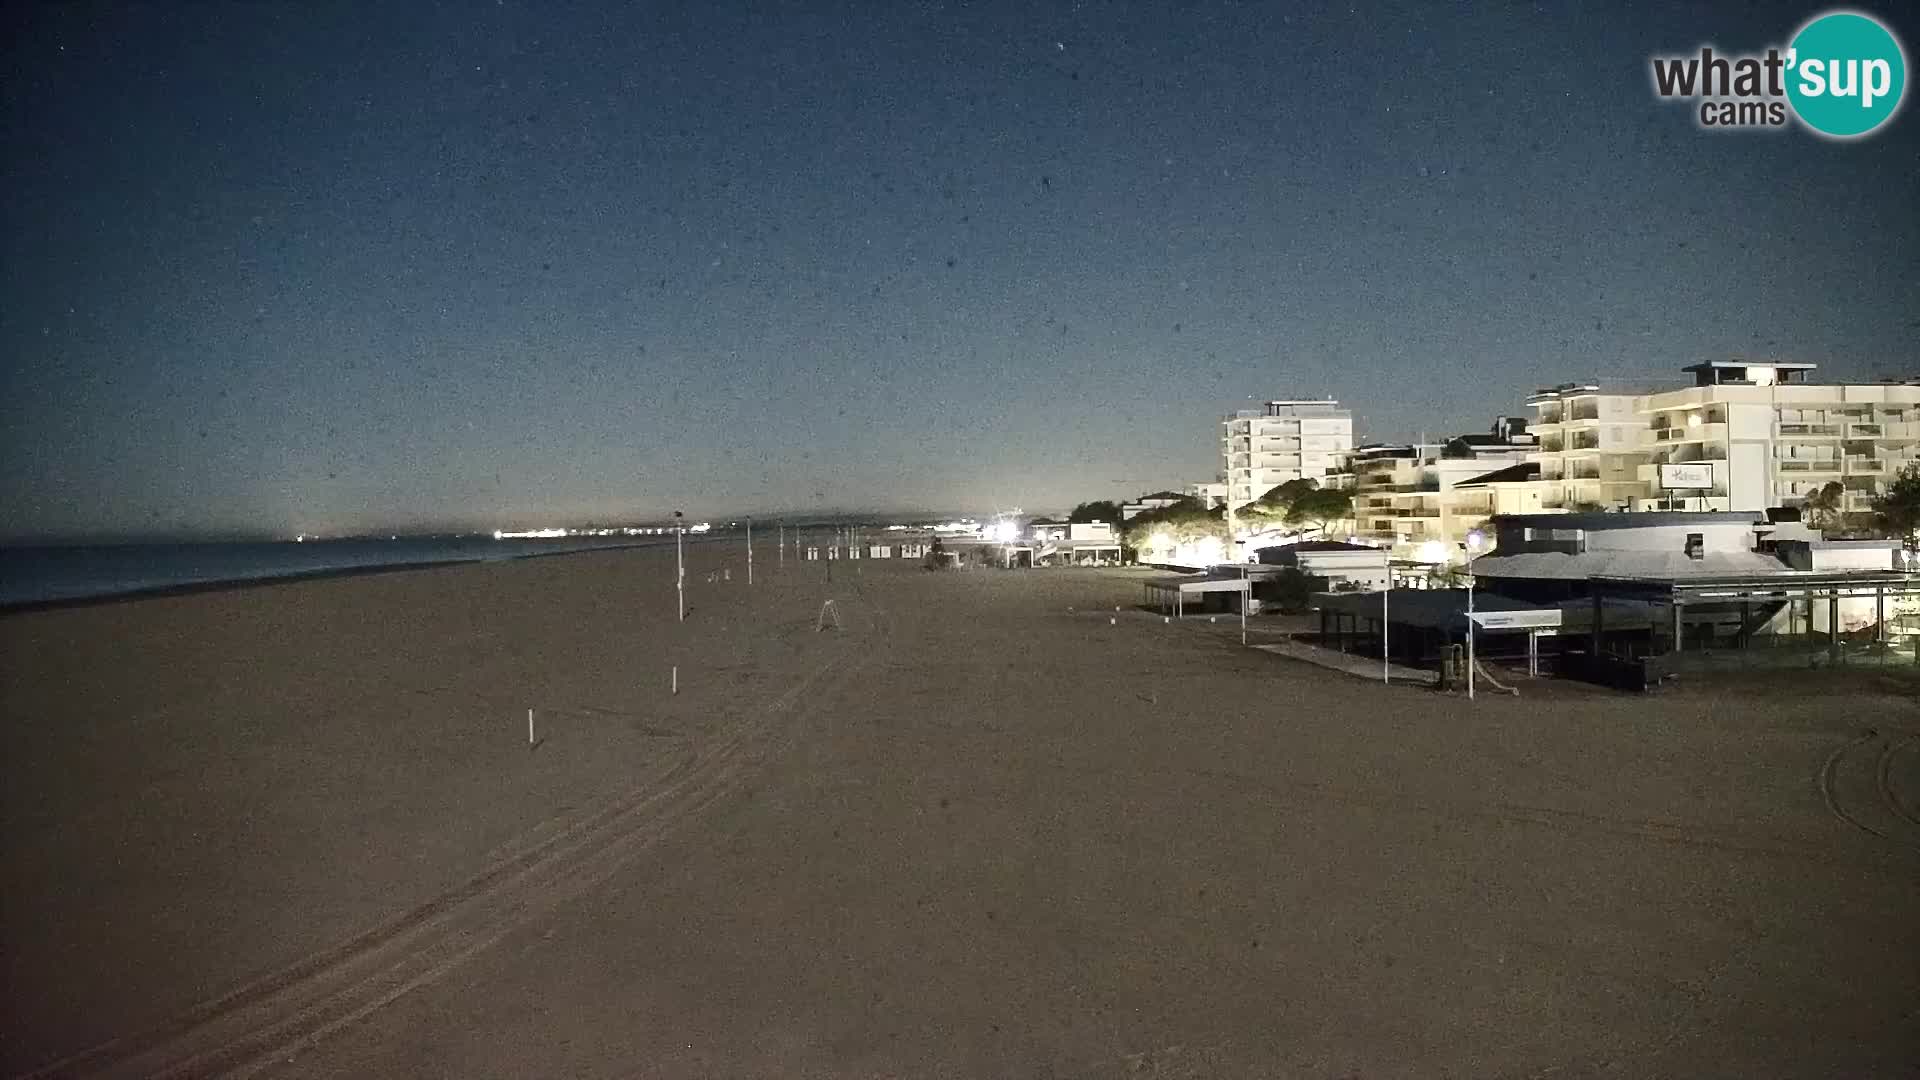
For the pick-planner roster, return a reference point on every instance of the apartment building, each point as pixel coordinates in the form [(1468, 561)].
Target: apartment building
[(1590, 453), (1771, 437), (1765, 434), (1286, 440), (1421, 500)]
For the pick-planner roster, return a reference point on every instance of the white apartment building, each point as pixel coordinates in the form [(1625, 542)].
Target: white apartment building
[(1590, 447), (1262, 449), (1421, 500), (1771, 438), (1766, 435)]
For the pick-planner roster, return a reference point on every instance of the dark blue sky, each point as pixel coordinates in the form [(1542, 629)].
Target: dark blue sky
[(312, 267)]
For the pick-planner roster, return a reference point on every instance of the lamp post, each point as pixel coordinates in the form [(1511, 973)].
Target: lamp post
[(680, 563), (1475, 540)]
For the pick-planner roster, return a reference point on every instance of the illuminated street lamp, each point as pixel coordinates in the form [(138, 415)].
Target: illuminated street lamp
[(679, 563), (1475, 541)]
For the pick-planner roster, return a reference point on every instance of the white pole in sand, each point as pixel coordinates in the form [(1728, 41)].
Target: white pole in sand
[(529, 727), (783, 545), (676, 678), (1386, 642), (749, 551)]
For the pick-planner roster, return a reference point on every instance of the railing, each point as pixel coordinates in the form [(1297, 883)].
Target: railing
[(1865, 431), (1865, 465), (1818, 430), (1707, 453)]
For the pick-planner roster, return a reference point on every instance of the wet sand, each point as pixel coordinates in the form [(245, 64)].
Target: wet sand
[(971, 832)]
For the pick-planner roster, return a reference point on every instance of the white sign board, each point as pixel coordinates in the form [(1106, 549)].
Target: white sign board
[(1517, 620), (1693, 476)]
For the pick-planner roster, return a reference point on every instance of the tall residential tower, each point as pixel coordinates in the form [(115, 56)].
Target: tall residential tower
[(1264, 448)]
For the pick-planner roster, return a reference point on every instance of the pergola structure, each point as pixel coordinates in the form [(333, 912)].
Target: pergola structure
[(1687, 614), (1172, 594)]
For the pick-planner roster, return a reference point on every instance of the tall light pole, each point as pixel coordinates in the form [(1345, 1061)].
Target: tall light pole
[(680, 562), (1386, 639), (1475, 539)]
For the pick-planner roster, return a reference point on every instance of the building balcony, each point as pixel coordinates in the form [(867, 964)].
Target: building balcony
[(1807, 431), (1855, 465), (1808, 465), (1691, 433), (1683, 455)]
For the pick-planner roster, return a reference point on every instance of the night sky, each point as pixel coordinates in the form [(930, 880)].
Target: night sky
[(323, 267)]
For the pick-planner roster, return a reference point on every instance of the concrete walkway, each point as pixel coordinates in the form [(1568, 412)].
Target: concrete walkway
[(1361, 666)]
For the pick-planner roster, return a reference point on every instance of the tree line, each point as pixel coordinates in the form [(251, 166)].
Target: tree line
[(1294, 504)]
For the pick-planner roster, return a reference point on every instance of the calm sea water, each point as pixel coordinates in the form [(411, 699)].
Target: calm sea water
[(30, 575)]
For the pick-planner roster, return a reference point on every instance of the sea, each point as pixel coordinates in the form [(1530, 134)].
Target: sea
[(32, 576)]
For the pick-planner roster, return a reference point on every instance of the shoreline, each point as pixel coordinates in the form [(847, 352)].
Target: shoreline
[(194, 588)]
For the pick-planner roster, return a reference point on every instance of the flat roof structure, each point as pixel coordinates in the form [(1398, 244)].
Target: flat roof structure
[(1439, 609), (1171, 594)]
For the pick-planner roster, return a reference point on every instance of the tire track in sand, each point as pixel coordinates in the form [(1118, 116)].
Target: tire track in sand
[(1849, 809), (256, 1026)]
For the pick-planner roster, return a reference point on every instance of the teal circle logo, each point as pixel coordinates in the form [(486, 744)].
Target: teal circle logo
[(1846, 74)]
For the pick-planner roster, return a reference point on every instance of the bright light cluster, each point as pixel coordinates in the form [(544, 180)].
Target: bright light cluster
[(557, 533), (1163, 548)]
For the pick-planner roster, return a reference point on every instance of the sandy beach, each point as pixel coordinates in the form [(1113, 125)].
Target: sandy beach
[(989, 826)]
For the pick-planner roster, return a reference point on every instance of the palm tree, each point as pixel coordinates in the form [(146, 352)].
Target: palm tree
[(1822, 505)]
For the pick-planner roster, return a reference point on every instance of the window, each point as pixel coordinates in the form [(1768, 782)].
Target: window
[(1696, 545)]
